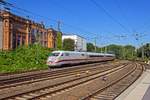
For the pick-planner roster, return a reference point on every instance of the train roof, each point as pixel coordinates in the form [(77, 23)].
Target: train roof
[(88, 53)]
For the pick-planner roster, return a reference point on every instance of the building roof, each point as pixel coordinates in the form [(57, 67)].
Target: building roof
[(73, 35), (5, 13)]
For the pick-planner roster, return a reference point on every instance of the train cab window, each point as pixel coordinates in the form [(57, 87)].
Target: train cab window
[(66, 54), (54, 54), (62, 54)]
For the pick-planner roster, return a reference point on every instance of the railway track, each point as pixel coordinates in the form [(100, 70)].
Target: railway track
[(9, 79), (99, 83), (116, 87), (46, 75), (55, 86), (84, 89), (21, 89)]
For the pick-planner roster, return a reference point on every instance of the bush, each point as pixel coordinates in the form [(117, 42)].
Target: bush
[(24, 58)]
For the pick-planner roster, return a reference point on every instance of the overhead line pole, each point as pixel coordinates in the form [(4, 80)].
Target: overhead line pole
[(58, 27), (95, 44), (137, 37), (142, 51)]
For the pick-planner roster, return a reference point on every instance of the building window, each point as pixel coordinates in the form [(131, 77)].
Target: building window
[(33, 38), (29, 36), (45, 43), (18, 40), (45, 36), (6, 23), (14, 41), (23, 40)]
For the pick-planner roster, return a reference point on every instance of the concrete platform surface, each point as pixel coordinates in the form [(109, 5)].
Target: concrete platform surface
[(140, 90), (147, 95)]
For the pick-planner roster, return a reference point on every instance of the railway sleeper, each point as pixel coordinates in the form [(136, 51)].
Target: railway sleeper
[(20, 98), (104, 95), (102, 98), (27, 96), (47, 91), (116, 89)]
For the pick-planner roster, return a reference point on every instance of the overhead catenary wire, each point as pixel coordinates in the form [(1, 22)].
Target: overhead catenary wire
[(122, 12), (83, 31), (109, 15), (65, 24), (32, 13), (124, 16)]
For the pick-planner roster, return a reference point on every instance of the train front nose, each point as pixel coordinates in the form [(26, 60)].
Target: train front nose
[(50, 60)]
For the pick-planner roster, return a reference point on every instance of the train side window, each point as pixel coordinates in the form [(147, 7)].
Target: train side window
[(82, 54), (66, 54)]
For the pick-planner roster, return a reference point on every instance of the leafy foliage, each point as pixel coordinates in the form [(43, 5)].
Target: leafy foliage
[(68, 44), (121, 52), (59, 40), (129, 52), (24, 59), (146, 50), (115, 49), (90, 47)]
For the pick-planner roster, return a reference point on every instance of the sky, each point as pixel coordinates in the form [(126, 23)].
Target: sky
[(107, 21)]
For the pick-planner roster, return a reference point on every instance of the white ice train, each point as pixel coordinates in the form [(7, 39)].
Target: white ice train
[(59, 58)]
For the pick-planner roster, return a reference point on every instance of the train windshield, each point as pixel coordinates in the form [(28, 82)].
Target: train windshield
[(54, 54)]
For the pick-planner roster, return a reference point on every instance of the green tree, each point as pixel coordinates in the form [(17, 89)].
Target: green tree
[(68, 44), (59, 41), (121, 52), (146, 49), (90, 47), (129, 52), (115, 49)]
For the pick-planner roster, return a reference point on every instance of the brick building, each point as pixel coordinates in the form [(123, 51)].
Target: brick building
[(16, 31)]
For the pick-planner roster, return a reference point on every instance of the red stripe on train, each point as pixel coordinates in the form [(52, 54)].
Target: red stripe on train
[(71, 60)]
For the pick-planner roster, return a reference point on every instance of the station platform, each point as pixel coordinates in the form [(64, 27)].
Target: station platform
[(140, 90)]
